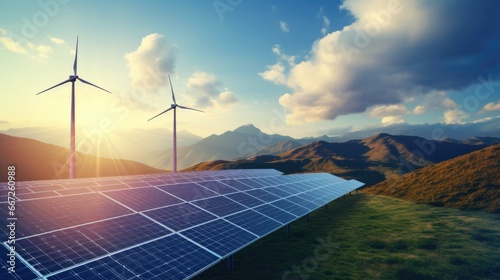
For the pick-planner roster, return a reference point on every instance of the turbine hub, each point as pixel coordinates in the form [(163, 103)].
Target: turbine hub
[(73, 77)]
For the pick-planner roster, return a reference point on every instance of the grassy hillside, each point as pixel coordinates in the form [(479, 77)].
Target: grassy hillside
[(471, 181), (35, 160), (375, 237)]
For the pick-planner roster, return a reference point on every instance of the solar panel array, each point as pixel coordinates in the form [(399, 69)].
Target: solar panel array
[(160, 226)]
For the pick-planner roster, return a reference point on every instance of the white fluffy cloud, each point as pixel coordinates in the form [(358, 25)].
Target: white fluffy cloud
[(490, 107), (388, 110), (454, 116), (11, 45), (151, 62), (389, 114), (274, 73), (393, 51), (390, 120), (208, 91)]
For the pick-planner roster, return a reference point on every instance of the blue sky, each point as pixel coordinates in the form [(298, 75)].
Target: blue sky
[(296, 68)]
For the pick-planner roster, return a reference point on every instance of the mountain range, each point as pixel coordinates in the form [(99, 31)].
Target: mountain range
[(153, 146), (370, 160)]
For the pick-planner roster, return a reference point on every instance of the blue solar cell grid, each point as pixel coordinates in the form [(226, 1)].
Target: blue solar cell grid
[(156, 226)]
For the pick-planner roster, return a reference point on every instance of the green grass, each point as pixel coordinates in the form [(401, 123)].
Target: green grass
[(375, 237)]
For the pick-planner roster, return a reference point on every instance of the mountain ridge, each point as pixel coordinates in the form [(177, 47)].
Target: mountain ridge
[(370, 160)]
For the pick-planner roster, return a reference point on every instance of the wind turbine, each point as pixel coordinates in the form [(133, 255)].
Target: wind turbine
[(72, 79), (174, 106)]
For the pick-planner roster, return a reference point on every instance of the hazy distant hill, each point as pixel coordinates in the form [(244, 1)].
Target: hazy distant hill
[(241, 142), (134, 144), (471, 181), (370, 160), (35, 160)]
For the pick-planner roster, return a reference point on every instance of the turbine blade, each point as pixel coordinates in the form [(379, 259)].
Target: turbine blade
[(76, 57), (89, 83), (61, 83), (172, 88), (183, 107), (161, 113)]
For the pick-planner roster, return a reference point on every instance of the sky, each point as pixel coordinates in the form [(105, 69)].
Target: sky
[(298, 68)]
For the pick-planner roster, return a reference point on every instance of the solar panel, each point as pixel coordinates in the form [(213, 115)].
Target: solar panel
[(254, 222), (143, 198), (220, 237), (220, 205), (180, 216), (163, 226)]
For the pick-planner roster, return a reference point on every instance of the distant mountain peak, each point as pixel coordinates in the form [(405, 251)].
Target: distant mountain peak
[(248, 129)]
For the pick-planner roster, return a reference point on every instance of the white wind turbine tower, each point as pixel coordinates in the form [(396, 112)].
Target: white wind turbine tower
[(174, 106), (72, 79)]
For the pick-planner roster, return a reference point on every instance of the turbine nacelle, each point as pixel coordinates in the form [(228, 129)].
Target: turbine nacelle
[(73, 77)]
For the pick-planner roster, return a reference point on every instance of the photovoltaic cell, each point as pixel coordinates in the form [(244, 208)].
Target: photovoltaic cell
[(308, 204), (245, 199), (236, 185), (275, 213), (21, 271), (254, 222), (220, 206), (188, 192), (56, 250), (291, 207), (180, 216), (171, 257), (218, 187), (143, 198), (220, 237), (277, 191), (60, 212), (263, 195)]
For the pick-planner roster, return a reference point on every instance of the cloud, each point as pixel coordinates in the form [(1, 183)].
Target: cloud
[(290, 59), (434, 101), (151, 62), (490, 107), (393, 51), (38, 52), (208, 91), (275, 74), (388, 110), (389, 114), (56, 41), (41, 52), (454, 116), (325, 19), (284, 27), (10, 45), (389, 120), (419, 110)]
